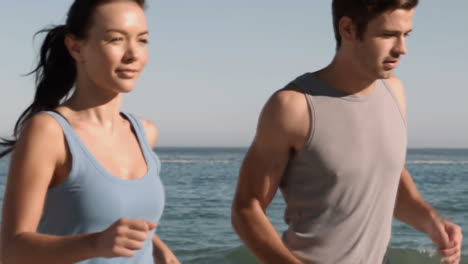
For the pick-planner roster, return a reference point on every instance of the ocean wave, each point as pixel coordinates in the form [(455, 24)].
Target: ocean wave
[(196, 161), (396, 256), (437, 162), (226, 161), (417, 256)]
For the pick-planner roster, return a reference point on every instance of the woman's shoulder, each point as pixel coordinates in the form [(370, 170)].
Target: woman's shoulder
[(151, 131), (42, 125), (41, 137)]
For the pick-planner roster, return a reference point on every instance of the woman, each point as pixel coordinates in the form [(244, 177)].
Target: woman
[(83, 184)]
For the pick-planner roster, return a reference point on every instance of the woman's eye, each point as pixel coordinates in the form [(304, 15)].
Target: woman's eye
[(145, 41), (116, 39)]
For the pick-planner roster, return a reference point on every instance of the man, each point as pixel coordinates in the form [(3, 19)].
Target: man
[(334, 142)]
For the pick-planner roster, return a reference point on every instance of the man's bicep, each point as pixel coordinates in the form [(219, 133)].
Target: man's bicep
[(277, 134), (265, 162), (261, 174)]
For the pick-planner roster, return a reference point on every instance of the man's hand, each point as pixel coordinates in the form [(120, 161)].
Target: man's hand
[(448, 238), (411, 208)]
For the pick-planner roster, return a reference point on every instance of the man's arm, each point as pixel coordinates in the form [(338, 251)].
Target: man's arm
[(411, 208), (282, 128)]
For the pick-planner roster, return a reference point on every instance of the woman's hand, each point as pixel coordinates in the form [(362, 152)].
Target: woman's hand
[(123, 238), (166, 258), (161, 252)]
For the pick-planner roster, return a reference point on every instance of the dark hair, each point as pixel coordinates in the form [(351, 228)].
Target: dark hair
[(56, 70), (363, 11)]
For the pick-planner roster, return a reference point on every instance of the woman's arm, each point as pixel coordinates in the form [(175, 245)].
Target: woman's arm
[(40, 153), (161, 252)]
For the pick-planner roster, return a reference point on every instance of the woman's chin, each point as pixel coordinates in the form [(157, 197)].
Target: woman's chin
[(124, 86)]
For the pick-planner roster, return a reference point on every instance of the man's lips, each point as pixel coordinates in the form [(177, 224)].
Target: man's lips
[(391, 63)]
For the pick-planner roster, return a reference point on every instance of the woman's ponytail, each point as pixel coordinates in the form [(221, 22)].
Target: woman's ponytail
[(55, 76)]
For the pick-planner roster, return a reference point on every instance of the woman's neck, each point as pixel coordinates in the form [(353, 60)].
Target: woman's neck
[(97, 105)]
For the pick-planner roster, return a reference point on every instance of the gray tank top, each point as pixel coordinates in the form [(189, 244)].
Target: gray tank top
[(340, 189), (91, 199)]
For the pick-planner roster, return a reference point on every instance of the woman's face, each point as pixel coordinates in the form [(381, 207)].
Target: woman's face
[(115, 50)]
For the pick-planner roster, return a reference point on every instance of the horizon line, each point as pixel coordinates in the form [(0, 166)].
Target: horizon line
[(243, 147)]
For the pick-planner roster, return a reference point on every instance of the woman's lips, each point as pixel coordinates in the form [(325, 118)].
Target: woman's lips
[(127, 73)]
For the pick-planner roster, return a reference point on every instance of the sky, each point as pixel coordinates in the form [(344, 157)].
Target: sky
[(213, 64)]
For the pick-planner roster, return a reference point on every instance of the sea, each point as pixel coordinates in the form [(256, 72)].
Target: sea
[(200, 184)]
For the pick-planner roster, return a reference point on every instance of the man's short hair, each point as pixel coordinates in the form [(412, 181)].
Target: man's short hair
[(362, 12)]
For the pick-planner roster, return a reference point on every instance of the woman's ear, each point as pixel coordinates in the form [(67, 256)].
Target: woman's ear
[(73, 45)]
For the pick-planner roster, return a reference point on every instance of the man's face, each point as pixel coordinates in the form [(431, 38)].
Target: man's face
[(383, 43)]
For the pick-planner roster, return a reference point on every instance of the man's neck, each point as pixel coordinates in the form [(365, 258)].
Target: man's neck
[(344, 76)]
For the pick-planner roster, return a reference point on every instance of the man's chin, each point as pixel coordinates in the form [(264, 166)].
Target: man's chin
[(385, 74)]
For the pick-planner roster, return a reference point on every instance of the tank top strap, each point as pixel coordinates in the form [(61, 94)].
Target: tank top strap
[(70, 136), (390, 90), (304, 83), (139, 130), (142, 138)]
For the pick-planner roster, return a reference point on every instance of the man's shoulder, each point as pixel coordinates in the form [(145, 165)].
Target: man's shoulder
[(398, 90), (395, 83), (286, 114), (288, 100)]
